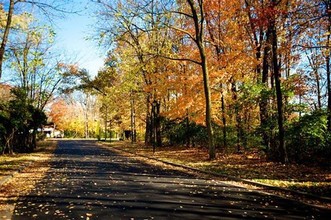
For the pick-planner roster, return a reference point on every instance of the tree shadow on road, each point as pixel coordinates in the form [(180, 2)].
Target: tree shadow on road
[(88, 182)]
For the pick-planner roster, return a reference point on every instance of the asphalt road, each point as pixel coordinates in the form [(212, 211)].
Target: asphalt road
[(89, 182)]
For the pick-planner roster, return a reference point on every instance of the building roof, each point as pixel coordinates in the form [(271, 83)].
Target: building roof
[(5, 93)]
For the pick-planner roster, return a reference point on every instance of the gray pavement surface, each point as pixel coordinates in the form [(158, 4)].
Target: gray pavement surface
[(86, 181)]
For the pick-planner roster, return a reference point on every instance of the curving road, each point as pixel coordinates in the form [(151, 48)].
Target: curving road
[(89, 182)]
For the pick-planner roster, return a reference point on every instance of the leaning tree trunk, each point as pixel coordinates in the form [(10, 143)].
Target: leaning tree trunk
[(6, 33)]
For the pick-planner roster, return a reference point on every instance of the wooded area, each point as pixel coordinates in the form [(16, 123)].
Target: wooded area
[(228, 75), (233, 75)]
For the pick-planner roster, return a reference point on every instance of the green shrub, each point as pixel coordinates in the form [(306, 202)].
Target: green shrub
[(176, 133), (307, 139)]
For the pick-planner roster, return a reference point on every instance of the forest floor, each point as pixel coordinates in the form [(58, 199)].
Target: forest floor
[(251, 166), (34, 166), (17, 161)]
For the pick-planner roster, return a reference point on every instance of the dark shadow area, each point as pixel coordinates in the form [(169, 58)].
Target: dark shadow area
[(89, 182)]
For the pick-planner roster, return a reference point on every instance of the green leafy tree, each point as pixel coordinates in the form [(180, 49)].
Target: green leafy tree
[(18, 118), (47, 8)]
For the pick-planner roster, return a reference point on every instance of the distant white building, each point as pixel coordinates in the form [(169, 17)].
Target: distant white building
[(51, 132)]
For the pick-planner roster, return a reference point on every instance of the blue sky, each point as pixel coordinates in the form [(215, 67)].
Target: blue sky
[(71, 34)]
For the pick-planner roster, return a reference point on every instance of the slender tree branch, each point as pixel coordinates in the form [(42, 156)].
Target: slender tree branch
[(180, 59), (181, 13), (312, 47), (185, 32)]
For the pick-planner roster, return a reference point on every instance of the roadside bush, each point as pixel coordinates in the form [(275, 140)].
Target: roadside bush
[(177, 133), (307, 139), (19, 122)]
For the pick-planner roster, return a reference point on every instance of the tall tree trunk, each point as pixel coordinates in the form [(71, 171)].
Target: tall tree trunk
[(158, 135), (280, 108), (314, 66), (156, 125), (187, 133), (149, 127), (237, 115), (153, 127), (199, 40), (223, 118), (6, 33), (217, 46), (262, 72), (329, 92), (86, 123), (106, 119), (211, 146), (264, 96), (34, 139), (133, 118), (328, 4), (319, 96)]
